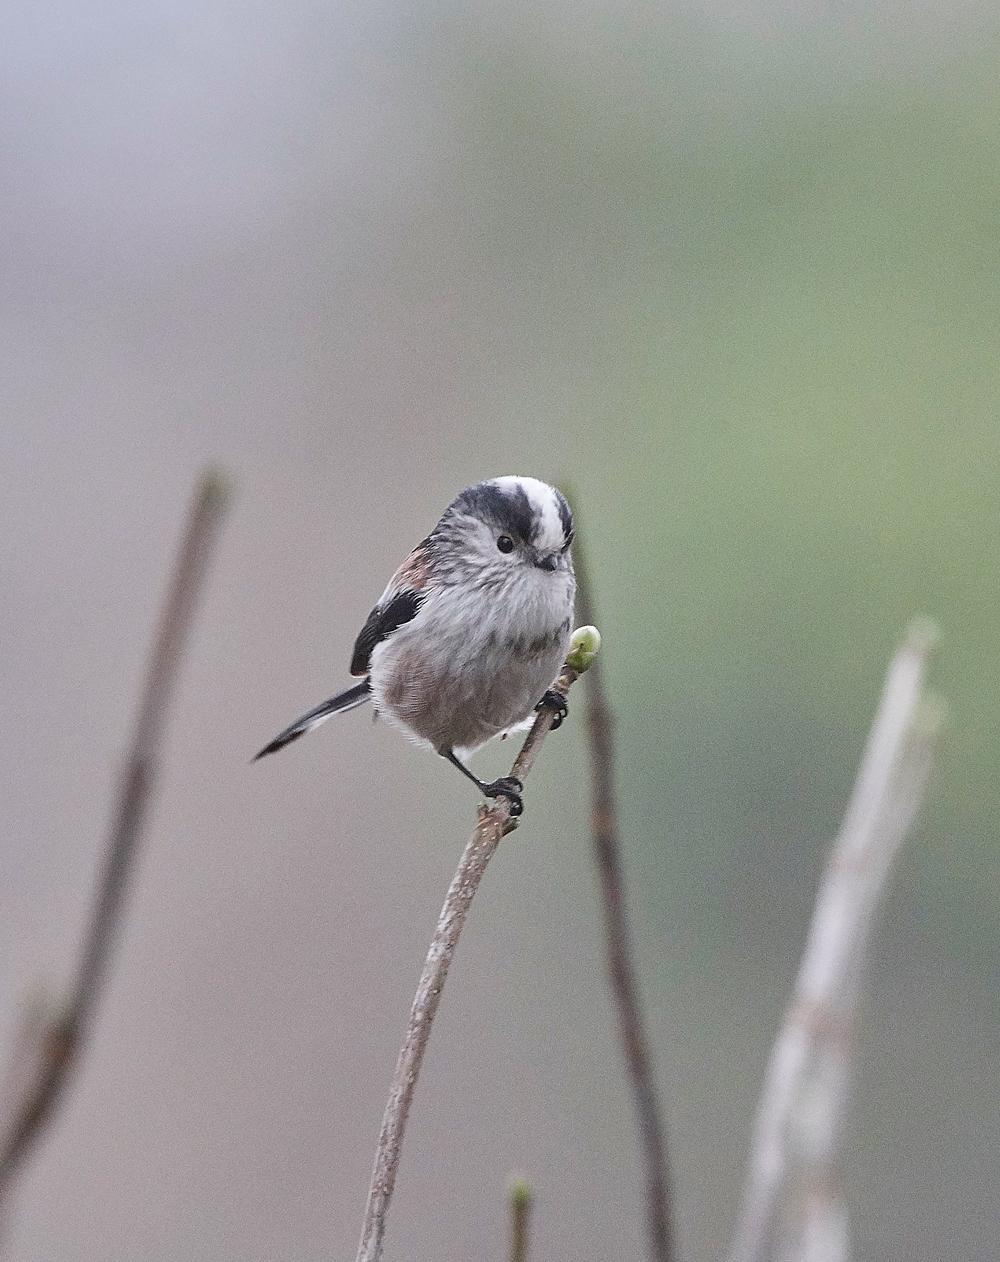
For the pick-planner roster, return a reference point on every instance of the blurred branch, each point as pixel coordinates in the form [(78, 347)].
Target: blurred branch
[(621, 971), (805, 1093), (494, 822), (519, 1199), (49, 1043)]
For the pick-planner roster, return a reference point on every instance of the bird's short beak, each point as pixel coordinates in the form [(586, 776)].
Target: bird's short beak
[(547, 560)]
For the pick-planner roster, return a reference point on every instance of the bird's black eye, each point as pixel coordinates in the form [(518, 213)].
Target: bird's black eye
[(505, 543)]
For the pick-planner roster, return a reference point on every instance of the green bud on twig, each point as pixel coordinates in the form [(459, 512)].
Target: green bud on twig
[(214, 488), (519, 1190), (519, 1200), (583, 648)]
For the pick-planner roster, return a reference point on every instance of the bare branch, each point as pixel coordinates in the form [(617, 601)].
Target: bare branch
[(494, 822), (821, 1232), (53, 1047), (621, 971), (805, 1092)]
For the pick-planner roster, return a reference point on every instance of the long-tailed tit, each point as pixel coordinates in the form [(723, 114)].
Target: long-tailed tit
[(470, 634)]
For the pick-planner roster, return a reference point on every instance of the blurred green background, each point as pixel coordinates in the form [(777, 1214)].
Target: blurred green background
[(731, 273), (779, 248)]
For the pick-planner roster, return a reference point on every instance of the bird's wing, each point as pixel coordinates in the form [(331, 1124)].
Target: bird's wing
[(382, 621), (400, 602)]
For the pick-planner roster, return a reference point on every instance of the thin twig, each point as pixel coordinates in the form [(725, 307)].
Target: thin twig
[(494, 822), (519, 1199), (621, 970), (57, 1045), (805, 1092)]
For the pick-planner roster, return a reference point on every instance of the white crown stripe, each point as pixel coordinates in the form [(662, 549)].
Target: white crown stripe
[(545, 505)]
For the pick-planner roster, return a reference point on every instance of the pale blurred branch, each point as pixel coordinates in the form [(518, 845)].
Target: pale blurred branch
[(519, 1200), (494, 822), (620, 969), (799, 1122), (49, 1042)]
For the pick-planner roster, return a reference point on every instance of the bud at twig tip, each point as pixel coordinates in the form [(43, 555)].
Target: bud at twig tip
[(215, 488), (519, 1190), (583, 648), (922, 635)]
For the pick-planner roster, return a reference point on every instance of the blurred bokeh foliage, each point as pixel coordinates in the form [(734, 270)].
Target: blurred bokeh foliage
[(762, 268), (781, 258)]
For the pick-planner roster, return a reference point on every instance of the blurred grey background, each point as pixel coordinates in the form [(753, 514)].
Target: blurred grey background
[(731, 272)]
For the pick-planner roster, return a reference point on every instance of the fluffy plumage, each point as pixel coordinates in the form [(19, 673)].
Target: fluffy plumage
[(474, 625)]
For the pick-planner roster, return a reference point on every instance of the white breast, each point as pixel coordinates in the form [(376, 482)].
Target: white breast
[(472, 665)]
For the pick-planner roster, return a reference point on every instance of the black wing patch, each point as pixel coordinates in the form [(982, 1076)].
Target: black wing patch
[(382, 621)]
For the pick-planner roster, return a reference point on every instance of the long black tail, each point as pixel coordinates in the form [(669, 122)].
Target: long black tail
[(346, 700)]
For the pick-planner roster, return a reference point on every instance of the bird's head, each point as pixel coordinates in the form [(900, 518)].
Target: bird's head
[(506, 525)]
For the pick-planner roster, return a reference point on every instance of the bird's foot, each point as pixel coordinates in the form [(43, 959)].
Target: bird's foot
[(509, 787), (554, 700)]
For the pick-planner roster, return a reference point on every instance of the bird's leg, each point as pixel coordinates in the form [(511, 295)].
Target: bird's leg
[(509, 786), (555, 701)]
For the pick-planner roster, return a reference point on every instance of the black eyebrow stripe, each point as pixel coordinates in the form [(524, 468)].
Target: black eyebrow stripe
[(510, 511)]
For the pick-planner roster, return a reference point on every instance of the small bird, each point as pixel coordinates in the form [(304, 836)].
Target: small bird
[(469, 635)]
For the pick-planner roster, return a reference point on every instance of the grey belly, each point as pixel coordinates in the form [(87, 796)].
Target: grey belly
[(453, 699)]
